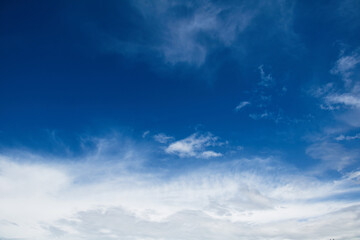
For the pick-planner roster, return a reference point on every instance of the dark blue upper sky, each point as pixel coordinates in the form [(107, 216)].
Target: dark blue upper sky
[(276, 77)]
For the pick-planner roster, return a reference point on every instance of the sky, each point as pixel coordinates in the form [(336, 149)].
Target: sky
[(179, 120)]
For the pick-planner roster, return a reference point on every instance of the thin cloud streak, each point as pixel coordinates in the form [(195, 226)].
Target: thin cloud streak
[(242, 105)]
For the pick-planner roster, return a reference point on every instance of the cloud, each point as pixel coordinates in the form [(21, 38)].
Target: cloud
[(259, 116), (342, 137), (145, 134), (210, 154), (346, 99), (333, 155), (345, 66), (218, 201), (348, 95), (343, 100), (323, 90), (266, 79), (187, 37), (242, 105), (162, 138), (191, 32), (194, 146)]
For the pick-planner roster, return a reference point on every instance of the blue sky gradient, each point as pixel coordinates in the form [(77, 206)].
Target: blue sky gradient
[(238, 118)]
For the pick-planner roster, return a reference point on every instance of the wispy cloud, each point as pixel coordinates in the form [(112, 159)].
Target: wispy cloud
[(342, 137), (189, 32), (266, 79), (342, 99), (346, 99), (145, 134), (241, 105), (162, 138), (345, 65), (337, 97), (186, 37), (194, 146), (333, 155)]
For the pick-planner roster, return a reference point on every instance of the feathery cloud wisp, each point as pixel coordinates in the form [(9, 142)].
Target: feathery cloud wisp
[(241, 105), (162, 138)]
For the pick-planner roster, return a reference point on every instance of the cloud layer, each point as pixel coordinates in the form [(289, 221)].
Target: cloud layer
[(232, 200)]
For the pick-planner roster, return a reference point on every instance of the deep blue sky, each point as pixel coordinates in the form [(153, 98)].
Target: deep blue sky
[(88, 67)]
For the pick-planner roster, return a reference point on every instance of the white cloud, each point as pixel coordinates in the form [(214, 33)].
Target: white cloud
[(194, 146), (183, 35), (222, 201), (342, 137), (162, 138), (241, 105), (185, 38), (145, 134), (210, 154), (335, 101), (345, 65), (333, 155), (347, 99), (321, 91), (191, 34), (266, 79)]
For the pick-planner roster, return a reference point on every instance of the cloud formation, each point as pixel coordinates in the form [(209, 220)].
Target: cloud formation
[(241, 105), (162, 138), (342, 99), (194, 145), (266, 79), (342, 137), (189, 28), (345, 66), (333, 155), (217, 201), (346, 99), (348, 96), (190, 32)]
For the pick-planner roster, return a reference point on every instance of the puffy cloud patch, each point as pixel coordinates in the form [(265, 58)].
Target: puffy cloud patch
[(345, 66), (194, 146), (346, 99), (210, 154)]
